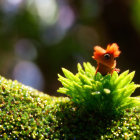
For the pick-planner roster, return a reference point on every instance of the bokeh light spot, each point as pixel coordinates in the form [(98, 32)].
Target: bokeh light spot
[(46, 10), (66, 17), (11, 6), (14, 2), (29, 74), (25, 49)]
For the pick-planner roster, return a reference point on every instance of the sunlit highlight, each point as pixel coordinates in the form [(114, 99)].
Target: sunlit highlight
[(47, 10)]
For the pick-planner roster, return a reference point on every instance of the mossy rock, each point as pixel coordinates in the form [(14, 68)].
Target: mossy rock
[(26, 113)]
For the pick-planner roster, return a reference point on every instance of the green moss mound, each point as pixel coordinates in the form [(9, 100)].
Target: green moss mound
[(26, 113), (78, 124)]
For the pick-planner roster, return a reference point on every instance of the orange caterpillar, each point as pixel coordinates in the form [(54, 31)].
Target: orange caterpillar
[(106, 59)]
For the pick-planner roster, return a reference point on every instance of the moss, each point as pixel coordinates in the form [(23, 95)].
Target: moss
[(26, 113), (78, 124), (127, 127)]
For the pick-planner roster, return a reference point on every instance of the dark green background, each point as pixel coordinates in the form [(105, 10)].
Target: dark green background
[(66, 37)]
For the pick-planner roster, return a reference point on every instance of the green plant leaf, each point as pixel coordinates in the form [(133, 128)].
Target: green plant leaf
[(98, 76), (70, 75), (62, 90), (65, 82), (89, 69), (80, 69), (120, 78), (84, 79), (126, 80)]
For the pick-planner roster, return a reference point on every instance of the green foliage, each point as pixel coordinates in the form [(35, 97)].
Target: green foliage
[(126, 128), (26, 113), (81, 125), (108, 94)]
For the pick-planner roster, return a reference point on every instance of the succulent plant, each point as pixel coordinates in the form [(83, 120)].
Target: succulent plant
[(109, 94)]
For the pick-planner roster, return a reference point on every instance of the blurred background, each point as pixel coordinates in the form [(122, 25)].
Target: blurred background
[(38, 37)]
